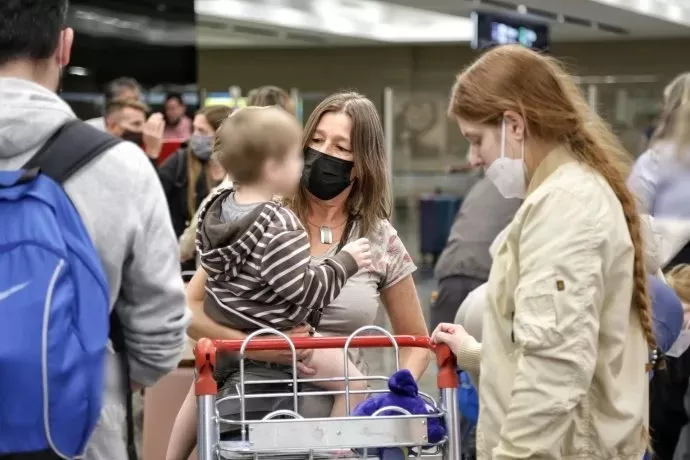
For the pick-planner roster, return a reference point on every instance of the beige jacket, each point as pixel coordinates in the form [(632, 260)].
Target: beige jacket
[(563, 356)]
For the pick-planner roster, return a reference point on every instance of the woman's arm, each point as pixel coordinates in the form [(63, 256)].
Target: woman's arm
[(203, 326), (405, 313), (644, 180)]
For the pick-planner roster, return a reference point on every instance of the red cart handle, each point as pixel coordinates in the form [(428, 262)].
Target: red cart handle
[(206, 349), (303, 343)]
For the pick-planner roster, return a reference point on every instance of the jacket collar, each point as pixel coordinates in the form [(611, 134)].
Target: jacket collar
[(553, 160)]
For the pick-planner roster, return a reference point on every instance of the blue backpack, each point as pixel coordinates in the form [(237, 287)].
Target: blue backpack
[(54, 303)]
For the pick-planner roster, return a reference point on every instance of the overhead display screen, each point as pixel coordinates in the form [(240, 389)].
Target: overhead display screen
[(492, 29)]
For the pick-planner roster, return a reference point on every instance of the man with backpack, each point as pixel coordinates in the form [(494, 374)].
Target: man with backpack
[(85, 232)]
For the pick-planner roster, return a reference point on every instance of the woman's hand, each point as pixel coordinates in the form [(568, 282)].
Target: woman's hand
[(453, 335), (285, 356)]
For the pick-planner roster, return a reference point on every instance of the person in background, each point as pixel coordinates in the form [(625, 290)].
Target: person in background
[(126, 119), (679, 279), (465, 262), (125, 88), (260, 97), (178, 126), (567, 331), (119, 200), (190, 173), (271, 95), (660, 180)]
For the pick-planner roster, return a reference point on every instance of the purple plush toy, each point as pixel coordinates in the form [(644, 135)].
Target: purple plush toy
[(404, 393)]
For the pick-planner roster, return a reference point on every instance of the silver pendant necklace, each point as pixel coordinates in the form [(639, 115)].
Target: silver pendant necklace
[(326, 235)]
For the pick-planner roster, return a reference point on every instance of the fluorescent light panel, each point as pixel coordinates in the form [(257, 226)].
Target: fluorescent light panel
[(677, 11), (363, 19)]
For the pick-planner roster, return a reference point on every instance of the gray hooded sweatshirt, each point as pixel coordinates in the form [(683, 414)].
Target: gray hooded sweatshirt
[(122, 204)]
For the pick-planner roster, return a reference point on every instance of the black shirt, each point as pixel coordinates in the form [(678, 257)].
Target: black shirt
[(173, 177)]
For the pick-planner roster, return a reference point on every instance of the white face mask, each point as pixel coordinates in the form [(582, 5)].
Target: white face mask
[(508, 174)]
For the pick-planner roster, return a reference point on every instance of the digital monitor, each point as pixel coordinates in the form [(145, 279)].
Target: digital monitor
[(492, 29)]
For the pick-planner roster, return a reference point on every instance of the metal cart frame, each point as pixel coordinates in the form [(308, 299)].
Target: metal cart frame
[(275, 437)]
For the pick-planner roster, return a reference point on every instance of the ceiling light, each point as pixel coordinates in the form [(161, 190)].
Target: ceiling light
[(361, 19), (78, 71)]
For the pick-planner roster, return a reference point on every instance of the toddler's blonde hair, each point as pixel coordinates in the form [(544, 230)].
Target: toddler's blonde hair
[(679, 279)]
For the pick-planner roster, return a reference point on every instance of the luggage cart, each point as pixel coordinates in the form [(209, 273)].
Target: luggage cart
[(276, 437)]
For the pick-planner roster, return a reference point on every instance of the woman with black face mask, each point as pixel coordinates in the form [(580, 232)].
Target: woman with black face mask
[(188, 174), (344, 195)]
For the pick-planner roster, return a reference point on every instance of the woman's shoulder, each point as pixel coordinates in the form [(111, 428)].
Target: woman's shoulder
[(575, 198), (665, 159), (382, 234), (176, 162), (390, 257), (178, 156), (575, 184)]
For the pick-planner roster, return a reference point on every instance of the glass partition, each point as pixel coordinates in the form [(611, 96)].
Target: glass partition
[(424, 146), (630, 104)]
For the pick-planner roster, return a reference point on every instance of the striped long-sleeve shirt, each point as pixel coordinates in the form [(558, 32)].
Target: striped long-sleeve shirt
[(259, 271)]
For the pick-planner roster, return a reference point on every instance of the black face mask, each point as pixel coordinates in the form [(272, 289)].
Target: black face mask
[(325, 176), (132, 136)]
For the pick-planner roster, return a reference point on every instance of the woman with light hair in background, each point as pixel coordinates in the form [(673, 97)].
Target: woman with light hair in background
[(661, 182), (660, 178), (265, 96), (261, 97), (188, 174), (567, 329)]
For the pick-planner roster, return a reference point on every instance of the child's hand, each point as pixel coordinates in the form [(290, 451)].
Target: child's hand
[(360, 250)]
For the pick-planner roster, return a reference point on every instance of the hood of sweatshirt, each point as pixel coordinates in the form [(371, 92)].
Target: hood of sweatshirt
[(29, 115), (237, 238)]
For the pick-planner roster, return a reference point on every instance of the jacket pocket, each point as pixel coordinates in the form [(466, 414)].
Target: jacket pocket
[(535, 322)]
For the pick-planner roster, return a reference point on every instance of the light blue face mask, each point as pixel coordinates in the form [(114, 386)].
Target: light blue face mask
[(202, 146)]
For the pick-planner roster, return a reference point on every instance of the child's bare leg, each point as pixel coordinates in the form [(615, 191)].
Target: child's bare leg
[(183, 435), (330, 364)]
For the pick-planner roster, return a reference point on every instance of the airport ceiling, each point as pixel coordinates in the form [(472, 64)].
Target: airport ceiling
[(305, 23)]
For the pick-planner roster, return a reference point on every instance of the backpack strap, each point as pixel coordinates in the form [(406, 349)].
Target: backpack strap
[(74, 145), (70, 148)]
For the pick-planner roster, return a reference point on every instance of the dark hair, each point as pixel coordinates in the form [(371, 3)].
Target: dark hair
[(114, 89), (171, 96), (30, 29)]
